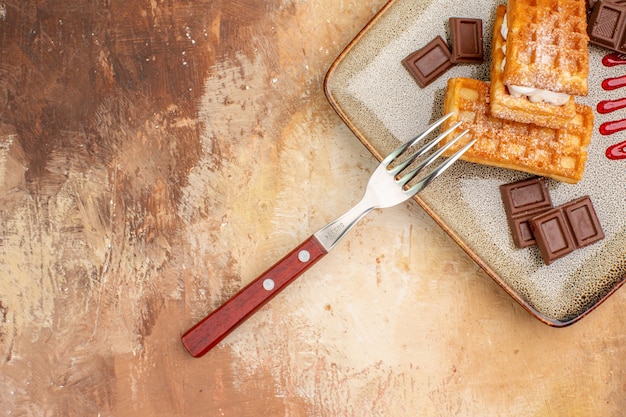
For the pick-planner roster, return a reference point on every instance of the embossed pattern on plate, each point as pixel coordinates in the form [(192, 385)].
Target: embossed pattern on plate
[(381, 103)]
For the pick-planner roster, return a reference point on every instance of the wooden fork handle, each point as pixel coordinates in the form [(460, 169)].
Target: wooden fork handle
[(216, 326)]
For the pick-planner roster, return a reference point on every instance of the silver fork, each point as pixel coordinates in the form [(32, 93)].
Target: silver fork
[(388, 186)]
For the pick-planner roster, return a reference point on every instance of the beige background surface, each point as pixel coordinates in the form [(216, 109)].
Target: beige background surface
[(155, 156)]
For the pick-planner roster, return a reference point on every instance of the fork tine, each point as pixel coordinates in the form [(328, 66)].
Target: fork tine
[(398, 151), (440, 169), (411, 174), (401, 166)]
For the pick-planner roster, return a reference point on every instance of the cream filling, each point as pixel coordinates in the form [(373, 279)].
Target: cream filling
[(534, 95), (537, 95)]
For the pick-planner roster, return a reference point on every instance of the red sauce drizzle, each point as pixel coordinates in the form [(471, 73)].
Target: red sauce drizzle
[(608, 106), (614, 83), (617, 151), (608, 128), (614, 59)]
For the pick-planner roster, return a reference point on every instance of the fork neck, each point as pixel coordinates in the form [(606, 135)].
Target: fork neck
[(331, 234)]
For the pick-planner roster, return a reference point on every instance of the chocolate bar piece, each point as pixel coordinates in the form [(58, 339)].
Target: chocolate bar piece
[(523, 200), (552, 234), (563, 229), (583, 222), (430, 62), (607, 25), (466, 36)]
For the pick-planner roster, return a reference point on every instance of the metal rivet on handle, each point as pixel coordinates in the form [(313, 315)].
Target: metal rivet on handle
[(304, 255), (268, 284)]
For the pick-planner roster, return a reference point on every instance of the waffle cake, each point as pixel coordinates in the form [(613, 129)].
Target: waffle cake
[(554, 153), (546, 45), (545, 58), (520, 108)]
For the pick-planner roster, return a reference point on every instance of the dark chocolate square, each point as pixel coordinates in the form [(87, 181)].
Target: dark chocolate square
[(526, 195), (523, 200), (583, 222), (607, 24), (466, 36), (521, 232), (552, 234), (430, 62)]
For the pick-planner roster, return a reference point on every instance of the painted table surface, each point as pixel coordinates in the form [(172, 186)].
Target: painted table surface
[(155, 156)]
